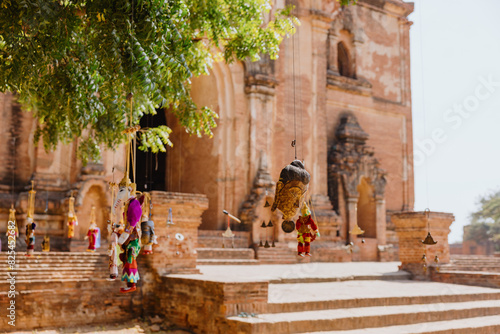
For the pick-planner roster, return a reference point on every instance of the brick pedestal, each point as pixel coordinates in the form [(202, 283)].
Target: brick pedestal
[(173, 256), (411, 228)]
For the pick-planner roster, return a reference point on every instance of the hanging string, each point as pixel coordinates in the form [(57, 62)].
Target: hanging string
[(300, 99), (148, 158), (294, 142), (13, 168), (135, 155), (179, 165)]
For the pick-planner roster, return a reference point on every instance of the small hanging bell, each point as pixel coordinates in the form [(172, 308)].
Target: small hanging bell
[(428, 240), (356, 230), (363, 240), (263, 225), (273, 245), (266, 245), (266, 205), (270, 224)]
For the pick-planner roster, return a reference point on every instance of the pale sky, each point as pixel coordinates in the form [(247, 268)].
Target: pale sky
[(455, 73)]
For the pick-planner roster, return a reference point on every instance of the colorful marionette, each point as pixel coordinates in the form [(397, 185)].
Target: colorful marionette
[(148, 237), (129, 238), (72, 220), (307, 231), (12, 233), (114, 231), (46, 244), (30, 224), (93, 233), (114, 251), (290, 191)]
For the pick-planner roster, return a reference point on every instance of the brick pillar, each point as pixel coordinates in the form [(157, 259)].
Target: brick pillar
[(381, 221), (352, 217), (172, 256), (411, 228)]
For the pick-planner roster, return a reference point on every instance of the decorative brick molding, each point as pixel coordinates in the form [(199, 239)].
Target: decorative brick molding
[(172, 256), (411, 228)]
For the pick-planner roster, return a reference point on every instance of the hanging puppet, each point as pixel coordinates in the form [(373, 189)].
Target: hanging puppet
[(307, 231), (148, 237), (114, 250), (30, 224), (93, 233), (46, 244), (290, 191), (115, 229), (72, 220), (12, 234), (129, 238)]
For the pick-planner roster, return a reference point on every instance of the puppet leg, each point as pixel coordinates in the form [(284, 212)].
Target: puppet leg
[(307, 244), (131, 287), (300, 246)]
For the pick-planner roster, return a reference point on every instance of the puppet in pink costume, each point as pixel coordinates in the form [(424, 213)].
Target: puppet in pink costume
[(129, 239)]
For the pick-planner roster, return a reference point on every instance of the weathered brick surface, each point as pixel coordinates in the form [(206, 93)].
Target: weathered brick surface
[(491, 280), (412, 228), (172, 255), (204, 305), (49, 297)]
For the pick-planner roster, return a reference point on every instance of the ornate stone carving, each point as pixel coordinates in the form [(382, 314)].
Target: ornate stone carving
[(350, 159), (260, 73), (263, 185)]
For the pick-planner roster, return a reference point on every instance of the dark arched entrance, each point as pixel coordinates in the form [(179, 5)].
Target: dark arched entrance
[(151, 167)]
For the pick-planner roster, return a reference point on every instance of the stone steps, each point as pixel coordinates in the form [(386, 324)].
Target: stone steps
[(366, 317), (374, 306), (213, 239), (281, 254), (477, 278), (478, 325), (225, 262), (53, 267), (225, 254)]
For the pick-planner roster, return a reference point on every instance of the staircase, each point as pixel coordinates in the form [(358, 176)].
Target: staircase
[(50, 266), (226, 256), (375, 307), (469, 270), (281, 254), (473, 263), (213, 239), (61, 285)]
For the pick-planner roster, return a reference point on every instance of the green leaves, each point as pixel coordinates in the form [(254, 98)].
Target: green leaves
[(73, 62), (155, 139)]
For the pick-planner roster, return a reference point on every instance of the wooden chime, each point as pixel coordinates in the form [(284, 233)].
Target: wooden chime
[(46, 244), (30, 226), (170, 221)]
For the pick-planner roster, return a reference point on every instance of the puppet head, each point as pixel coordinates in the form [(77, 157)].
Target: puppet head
[(305, 210)]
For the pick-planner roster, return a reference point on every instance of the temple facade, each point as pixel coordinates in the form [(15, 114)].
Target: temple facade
[(339, 90)]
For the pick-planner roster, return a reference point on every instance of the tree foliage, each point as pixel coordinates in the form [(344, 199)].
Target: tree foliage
[(485, 222), (73, 63)]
